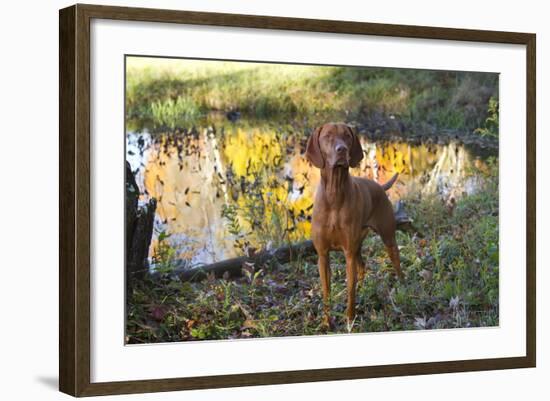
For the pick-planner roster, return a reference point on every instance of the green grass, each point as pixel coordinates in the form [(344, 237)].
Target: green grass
[(164, 94), (174, 113), (450, 264)]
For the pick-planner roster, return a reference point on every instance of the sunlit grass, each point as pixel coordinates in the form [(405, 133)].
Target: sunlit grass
[(168, 93)]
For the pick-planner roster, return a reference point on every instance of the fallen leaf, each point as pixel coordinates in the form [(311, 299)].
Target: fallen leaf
[(158, 313), (432, 322), (426, 274), (420, 322), (249, 324), (454, 302)]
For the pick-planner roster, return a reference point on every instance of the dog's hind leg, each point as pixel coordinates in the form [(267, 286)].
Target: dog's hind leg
[(384, 224), (361, 267), (393, 252), (387, 233)]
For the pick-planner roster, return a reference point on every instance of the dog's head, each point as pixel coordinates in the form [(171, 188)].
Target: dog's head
[(334, 145)]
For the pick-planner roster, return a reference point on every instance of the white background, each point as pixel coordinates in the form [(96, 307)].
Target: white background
[(111, 361), (28, 202)]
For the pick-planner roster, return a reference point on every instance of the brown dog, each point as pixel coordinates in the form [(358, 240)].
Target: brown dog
[(345, 208)]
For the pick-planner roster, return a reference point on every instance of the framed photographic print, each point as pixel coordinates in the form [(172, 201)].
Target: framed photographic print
[(250, 200)]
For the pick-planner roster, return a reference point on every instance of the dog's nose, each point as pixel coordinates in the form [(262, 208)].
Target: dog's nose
[(341, 148)]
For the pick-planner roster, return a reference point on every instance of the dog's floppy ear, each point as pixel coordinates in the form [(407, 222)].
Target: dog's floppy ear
[(356, 152), (313, 149)]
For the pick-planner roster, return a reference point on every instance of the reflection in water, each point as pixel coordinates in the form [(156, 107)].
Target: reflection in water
[(221, 193)]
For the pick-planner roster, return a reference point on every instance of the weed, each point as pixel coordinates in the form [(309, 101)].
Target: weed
[(490, 128)]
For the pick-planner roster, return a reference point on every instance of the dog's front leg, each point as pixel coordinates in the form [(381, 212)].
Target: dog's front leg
[(324, 273), (351, 277)]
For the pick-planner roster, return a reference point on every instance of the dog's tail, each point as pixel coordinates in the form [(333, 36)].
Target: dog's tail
[(389, 184)]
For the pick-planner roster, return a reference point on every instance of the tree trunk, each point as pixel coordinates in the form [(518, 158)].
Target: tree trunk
[(139, 230)]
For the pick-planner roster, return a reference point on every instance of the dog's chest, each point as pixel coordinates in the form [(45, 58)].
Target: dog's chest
[(334, 222), (336, 226)]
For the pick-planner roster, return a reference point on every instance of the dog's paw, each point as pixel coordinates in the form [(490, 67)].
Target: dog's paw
[(328, 324), (349, 325)]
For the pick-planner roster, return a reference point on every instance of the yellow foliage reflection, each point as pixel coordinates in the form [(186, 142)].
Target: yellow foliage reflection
[(263, 176)]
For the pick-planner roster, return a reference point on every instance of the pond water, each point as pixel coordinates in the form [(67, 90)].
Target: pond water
[(224, 190)]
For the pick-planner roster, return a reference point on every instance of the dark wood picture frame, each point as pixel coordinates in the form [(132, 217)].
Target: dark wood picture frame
[(74, 199)]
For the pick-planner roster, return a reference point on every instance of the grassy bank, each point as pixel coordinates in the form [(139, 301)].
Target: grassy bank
[(451, 281), (166, 94)]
